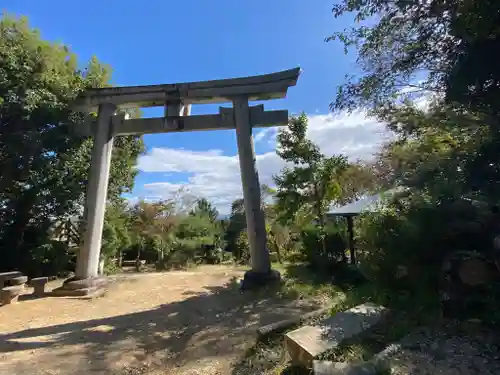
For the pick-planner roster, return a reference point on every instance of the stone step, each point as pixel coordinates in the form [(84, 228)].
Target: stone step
[(344, 368), (306, 343), (6, 276), (88, 293)]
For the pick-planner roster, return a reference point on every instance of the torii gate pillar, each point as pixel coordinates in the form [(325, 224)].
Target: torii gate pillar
[(256, 226), (97, 190)]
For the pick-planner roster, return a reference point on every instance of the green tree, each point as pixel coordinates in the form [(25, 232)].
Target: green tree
[(313, 179), (236, 225), (357, 180), (197, 238), (116, 232), (154, 223), (447, 153), (204, 207), (406, 47), (311, 184), (44, 166)]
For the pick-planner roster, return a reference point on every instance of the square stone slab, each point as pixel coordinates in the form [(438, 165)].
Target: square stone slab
[(307, 342)]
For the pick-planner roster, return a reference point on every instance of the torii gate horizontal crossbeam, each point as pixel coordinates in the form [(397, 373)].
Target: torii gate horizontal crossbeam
[(174, 124)]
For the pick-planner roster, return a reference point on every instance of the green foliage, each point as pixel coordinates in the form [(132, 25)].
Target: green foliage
[(312, 239), (446, 160), (236, 225), (44, 166), (242, 248), (313, 181), (406, 242), (50, 258), (205, 208), (307, 188), (194, 238), (437, 46), (446, 154), (116, 232)]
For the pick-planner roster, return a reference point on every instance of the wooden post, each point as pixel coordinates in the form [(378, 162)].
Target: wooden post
[(350, 230)]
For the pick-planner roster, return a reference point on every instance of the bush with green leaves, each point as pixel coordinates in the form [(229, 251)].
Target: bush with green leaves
[(405, 243), (50, 259), (242, 248), (312, 237)]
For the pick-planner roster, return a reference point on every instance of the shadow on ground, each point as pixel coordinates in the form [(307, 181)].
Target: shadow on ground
[(217, 323)]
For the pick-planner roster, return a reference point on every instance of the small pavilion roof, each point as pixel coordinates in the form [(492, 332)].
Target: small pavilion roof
[(368, 203)]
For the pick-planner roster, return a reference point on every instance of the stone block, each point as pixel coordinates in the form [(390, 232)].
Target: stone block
[(75, 284), (6, 276), (19, 280), (254, 280), (39, 281), (38, 284), (283, 325), (306, 343), (91, 292), (10, 294)]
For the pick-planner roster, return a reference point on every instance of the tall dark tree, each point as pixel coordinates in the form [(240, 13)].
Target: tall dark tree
[(44, 166)]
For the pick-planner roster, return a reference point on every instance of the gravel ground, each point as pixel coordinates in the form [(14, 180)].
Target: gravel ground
[(451, 349), (194, 322)]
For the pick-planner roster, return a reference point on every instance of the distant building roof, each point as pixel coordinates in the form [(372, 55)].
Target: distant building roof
[(366, 204)]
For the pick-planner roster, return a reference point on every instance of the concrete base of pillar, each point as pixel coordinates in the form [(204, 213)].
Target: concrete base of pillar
[(254, 279), (88, 288)]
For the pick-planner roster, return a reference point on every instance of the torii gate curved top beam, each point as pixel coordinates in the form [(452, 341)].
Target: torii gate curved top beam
[(261, 87), (175, 97)]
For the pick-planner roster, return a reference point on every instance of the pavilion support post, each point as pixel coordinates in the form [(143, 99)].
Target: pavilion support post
[(86, 280), (350, 231), (261, 272)]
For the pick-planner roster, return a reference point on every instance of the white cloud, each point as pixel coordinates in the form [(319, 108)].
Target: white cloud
[(216, 176)]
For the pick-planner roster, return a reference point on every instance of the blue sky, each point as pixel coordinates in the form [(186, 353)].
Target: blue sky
[(152, 42)]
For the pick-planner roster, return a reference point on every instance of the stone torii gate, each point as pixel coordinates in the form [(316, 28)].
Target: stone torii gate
[(177, 100)]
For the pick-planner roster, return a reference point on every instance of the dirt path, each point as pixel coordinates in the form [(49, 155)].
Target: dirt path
[(194, 322)]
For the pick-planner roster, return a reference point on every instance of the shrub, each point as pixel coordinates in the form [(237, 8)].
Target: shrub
[(50, 259), (242, 251), (405, 243), (311, 238)]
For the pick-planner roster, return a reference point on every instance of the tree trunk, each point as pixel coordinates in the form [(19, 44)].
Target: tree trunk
[(321, 219), (278, 254), (350, 230), (138, 259)]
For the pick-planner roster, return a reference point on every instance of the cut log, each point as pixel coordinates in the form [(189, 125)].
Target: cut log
[(306, 343)]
